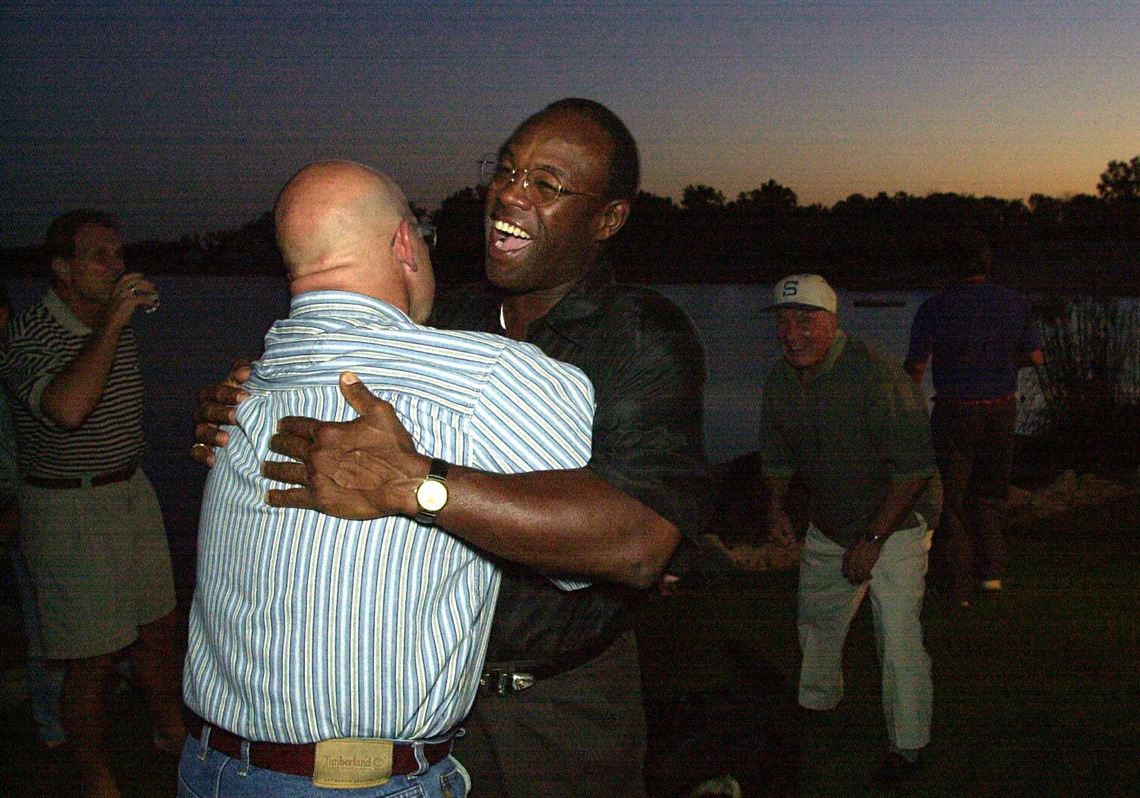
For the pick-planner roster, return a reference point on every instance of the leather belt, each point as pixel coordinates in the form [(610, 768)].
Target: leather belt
[(504, 678), (989, 400), (122, 475), (299, 759)]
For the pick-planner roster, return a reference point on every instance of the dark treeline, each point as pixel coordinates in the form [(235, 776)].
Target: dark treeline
[(1082, 243)]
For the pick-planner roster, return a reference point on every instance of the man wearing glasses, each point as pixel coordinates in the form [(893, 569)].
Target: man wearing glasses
[(560, 710), (329, 653)]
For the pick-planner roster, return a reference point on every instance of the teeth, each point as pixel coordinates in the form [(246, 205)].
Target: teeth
[(511, 230)]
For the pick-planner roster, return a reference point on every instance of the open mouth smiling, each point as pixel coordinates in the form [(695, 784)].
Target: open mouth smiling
[(506, 237)]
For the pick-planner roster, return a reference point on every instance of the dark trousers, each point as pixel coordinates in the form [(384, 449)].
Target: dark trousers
[(973, 443), (580, 734)]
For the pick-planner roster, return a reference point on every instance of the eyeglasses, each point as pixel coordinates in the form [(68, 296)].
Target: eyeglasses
[(427, 232), (540, 185), (422, 226)]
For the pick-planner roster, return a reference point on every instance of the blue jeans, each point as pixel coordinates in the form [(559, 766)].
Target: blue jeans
[(205, 773), (45, 676)]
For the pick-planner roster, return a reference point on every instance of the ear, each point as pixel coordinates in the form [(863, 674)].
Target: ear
[(404, 247), (611, 219), (61, 269)]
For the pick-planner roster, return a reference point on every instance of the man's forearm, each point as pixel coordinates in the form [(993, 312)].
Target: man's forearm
[(899, 498), (75, 392), (915, 369), (777, 493), (1034, 358), (569, 521)]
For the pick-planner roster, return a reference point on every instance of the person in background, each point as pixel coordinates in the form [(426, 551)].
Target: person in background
[(45, 677), (92, 532), (976, 334), (560, 710), (846, 418)]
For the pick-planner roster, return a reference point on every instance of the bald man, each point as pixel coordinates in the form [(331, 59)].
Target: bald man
[(329, 653)]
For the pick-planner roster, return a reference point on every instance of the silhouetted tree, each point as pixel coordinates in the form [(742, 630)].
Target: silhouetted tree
[(770, 195), (458, 254), (646, 249), (1120, 182), (701, 197)]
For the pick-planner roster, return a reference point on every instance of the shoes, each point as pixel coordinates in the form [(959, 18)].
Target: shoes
[(991, 585), (895, 770), (949, 596)]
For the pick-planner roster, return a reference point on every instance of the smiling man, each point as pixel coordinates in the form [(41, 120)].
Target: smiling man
[(560, 709), (851, 424), (558, 191)]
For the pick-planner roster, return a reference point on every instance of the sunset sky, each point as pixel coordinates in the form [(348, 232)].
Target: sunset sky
[(188, 116)]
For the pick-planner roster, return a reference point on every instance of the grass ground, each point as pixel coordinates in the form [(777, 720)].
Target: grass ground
[(1037, 688)]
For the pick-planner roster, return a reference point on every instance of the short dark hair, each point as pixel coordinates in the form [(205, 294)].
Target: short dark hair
[(59, 242), (969, 255), (625, 166)]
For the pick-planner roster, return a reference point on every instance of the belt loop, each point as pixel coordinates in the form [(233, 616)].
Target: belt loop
[(204, 743), (245, 766), (421, 759)]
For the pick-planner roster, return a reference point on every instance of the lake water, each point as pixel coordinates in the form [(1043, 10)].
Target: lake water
[(204, 322)]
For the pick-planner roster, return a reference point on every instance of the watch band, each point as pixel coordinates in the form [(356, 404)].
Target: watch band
[(437, 472)]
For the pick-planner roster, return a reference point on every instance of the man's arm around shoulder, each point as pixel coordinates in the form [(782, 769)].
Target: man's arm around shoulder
[(566, 521)]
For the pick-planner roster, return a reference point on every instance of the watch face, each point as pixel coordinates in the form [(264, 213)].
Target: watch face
[(432, 495)]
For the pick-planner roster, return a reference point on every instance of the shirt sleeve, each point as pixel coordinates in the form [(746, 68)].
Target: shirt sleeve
[(921, 335), (28, 368), (899, 425), (1030, 333), (649, 428), (775, 451), (536, 414)]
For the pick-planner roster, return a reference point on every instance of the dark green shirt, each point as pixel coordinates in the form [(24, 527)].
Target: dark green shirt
[(858, 425)]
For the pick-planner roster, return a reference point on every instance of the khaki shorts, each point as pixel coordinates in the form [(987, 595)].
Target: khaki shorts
[(99, 563)]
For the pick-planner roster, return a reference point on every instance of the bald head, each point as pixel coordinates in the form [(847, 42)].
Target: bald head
[(336, 221)]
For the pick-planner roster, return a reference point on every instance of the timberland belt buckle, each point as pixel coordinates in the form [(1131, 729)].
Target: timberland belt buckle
[(348, 763)]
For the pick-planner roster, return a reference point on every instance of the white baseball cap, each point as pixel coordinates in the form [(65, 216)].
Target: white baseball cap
[(804, 291)]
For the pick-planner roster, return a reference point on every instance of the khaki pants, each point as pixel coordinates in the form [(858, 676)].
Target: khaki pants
[(828, 602), (99, 563)]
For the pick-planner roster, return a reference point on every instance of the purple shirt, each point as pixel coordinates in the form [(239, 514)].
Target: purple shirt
[(973, 332)]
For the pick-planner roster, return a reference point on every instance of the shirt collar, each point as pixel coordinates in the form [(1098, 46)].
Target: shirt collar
[(581, 302), (345, 304), (828, 364), (62, 313)]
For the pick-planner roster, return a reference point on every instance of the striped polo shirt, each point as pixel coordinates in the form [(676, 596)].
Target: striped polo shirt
[(41, 342), (306, 627)]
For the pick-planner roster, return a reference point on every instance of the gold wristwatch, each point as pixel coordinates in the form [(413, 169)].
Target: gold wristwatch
[(431, 495)]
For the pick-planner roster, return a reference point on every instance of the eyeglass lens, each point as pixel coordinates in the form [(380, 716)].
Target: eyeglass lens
[(541, 187)]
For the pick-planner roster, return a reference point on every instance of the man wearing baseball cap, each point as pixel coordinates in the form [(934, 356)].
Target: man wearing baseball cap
[(847, 419)]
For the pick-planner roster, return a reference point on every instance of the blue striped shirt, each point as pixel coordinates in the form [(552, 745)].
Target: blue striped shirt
[(306, 627)]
